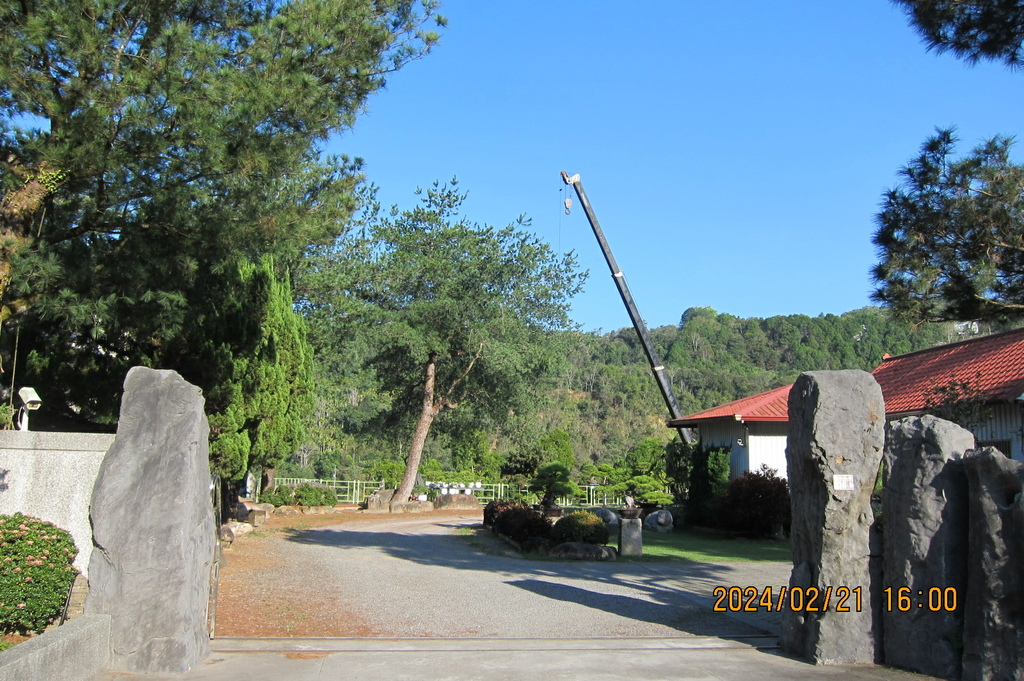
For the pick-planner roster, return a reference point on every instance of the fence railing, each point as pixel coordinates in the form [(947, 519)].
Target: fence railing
[(348, 491), (356, 491)]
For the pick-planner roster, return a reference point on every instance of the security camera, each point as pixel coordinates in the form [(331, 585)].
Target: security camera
[(30, 398)]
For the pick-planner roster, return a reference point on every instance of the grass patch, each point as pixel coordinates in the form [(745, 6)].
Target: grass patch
[(706, 548)]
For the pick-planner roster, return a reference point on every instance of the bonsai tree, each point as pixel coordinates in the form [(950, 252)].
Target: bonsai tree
[(552, 481), (645, 489)]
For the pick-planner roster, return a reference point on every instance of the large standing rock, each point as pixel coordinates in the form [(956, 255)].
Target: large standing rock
[(994, 613), (924, 506), (836, 433), (153, 527)]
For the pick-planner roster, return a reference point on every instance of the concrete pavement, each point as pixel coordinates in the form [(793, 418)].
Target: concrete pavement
[(636, 659)]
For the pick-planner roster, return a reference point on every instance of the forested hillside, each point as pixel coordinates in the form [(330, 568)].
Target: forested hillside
[(602, 401)]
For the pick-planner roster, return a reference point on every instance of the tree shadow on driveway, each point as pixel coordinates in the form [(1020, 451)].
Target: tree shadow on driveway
[(646, 594)]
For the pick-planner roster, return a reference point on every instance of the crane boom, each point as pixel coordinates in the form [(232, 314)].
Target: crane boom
[(627, 298)]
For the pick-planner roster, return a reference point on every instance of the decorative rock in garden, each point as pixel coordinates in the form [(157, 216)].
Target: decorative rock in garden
[(631, 537), (925, 506), (452, 502), (836, 432), (575, 550), (380, 501), (151, 571), (994, 616), (609, 517), (659, 520), (414, 507)]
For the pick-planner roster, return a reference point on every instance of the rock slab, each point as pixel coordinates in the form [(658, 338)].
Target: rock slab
[(150, 571), (924, 506), (836, 435), (582, 551), (452, 502), (994, 614)]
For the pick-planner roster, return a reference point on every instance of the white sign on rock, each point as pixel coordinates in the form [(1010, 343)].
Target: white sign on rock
[(843, 483)]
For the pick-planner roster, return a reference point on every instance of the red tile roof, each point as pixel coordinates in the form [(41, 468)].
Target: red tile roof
[(993, 365), (768, 406)]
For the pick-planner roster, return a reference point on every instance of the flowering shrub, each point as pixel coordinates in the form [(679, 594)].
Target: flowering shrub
[(36, 572)]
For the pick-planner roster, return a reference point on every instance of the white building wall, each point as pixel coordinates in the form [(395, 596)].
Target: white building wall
[(766, 442), (1005, 424)]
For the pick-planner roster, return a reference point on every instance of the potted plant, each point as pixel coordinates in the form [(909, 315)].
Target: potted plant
[(552, 481)]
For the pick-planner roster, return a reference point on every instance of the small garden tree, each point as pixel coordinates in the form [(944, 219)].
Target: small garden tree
[(553, 481)]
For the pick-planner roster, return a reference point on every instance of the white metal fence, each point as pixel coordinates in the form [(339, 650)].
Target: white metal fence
[(356, 491)]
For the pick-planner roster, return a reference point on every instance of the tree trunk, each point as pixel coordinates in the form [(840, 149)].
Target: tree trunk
[(419, 437)]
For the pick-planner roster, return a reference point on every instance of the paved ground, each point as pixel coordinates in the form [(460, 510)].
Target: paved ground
[(439, 601)]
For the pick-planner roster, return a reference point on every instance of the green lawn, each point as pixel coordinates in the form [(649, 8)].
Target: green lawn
[(701, 547)]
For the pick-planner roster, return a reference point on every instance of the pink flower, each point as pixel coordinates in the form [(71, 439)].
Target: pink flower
[(21, 605), (17, 569)]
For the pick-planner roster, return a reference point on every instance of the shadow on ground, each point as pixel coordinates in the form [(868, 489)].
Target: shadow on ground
[(638, 591)]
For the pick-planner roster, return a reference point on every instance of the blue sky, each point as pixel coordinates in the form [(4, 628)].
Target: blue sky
[(735, 152)]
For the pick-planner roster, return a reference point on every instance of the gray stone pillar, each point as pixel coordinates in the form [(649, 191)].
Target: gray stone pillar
[(836, 433), (631, 537), (153, 527), (924, 507), (994, 602)]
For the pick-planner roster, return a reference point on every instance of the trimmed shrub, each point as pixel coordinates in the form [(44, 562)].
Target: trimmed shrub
[(579, 526), (278, 495), (309, 494), (520, 523), (709, 478), (757, 503), (36, 572), (495, 508)]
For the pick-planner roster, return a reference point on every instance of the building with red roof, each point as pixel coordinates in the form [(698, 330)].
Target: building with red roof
[(991, 367), (755, 427)]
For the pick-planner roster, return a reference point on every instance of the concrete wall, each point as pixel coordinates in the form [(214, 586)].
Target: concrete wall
[(50, 476), (76, 651)]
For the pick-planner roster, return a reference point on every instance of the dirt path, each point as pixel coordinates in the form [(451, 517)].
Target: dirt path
[(363, 575)]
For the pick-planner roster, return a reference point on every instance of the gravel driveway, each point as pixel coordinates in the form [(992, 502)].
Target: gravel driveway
[(433, 575)]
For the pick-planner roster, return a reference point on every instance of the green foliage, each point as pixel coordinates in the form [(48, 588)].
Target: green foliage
[(388, 471), (36, 572), (256, 366), (579, 526), (278, 495), (551, 482), (709, 478), (309, 494), (976, 30), (950, 236), (521, 523), (756, 504), (168, 145), (455, 316)]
